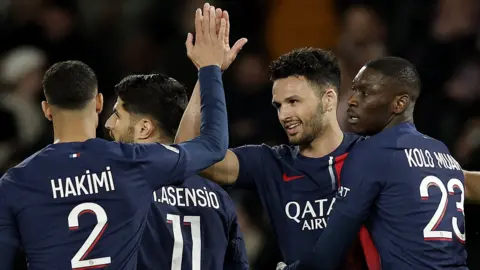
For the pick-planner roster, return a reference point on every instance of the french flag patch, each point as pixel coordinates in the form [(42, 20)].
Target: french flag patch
[(75, 155)]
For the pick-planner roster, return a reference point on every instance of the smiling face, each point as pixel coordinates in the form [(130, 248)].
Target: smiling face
[(299, 109)]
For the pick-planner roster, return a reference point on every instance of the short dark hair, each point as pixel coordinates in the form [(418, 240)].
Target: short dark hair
[(69, 85), (401, 72), (316, 65), (156, 95)]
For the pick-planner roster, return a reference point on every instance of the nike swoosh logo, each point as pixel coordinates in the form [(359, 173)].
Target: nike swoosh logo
[(290, 178)]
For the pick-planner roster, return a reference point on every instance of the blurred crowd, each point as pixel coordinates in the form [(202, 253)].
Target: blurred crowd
[(121, 37)]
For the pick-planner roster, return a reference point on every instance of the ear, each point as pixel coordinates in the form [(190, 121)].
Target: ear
[(47, 111), (330, 100), (400, 104), (99, 103), (145, 129)]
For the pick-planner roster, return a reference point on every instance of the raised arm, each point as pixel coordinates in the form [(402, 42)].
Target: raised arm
[(226, 171)]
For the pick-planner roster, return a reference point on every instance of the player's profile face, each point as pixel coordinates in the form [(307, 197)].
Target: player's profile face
[(369, 104), (120, 125), (299, 109)]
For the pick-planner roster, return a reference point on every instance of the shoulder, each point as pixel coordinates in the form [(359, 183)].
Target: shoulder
[(366, 150), (217, 189), (226, 201), (352, 139), (28, 164), (133, 151)]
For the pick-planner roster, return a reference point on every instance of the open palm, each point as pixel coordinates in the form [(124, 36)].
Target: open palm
[(230, 53)]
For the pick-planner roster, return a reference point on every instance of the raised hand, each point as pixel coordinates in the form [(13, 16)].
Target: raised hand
[(209, 46), (230, 53)]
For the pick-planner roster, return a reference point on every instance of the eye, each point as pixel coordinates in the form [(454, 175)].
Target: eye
[(293, 101)]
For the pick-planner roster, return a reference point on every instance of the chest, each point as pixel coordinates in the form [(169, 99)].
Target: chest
[(302, 192)]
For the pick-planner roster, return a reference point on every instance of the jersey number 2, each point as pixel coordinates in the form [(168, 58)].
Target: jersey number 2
[(194, 222), (78, 261), (429, 232)]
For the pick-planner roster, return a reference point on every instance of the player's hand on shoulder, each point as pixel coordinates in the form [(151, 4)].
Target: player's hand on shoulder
[(209, 46)]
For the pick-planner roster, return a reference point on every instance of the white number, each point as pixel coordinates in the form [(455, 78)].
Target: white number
[(194, 222), (78, 261), (429, 232)]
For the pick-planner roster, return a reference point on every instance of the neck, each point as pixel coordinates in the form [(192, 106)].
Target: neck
[(156, 139), (73, 127), (324, 144), (399, 119)]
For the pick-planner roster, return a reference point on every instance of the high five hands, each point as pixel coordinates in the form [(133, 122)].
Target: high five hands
[(212, 39)]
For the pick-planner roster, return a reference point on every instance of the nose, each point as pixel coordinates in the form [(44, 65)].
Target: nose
[(352, 100), (108, 124)]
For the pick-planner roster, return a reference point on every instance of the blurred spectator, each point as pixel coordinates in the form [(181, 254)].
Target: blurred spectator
[(21, 72)]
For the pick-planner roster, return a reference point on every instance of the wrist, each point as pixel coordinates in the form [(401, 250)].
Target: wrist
[(210, 67)]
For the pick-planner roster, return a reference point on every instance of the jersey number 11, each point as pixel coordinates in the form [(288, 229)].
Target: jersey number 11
[(194, 222)]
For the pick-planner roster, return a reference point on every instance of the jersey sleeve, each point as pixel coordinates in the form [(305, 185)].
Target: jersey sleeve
[(250, 165), (170, 165), (360, 185), (9, 238), (236, 254)]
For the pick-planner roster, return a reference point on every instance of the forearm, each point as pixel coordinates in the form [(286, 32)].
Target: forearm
[(212, 142), (190, 124), (472, 187)]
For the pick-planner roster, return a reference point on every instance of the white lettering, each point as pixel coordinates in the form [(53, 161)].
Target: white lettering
[(87, 184)]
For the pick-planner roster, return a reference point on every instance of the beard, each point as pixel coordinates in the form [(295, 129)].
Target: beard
[(128, 136), (311, 129)]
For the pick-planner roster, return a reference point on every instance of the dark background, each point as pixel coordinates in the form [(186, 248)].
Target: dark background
[(120, 37)]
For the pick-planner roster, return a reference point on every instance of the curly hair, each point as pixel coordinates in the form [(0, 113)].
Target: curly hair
[(319, 67)]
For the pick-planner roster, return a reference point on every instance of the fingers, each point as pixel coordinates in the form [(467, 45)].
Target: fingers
[(218, 17), (198, 26), (213, 27), (206, 21), (221, 33), (237, 47), (189, 44), (226, 16)]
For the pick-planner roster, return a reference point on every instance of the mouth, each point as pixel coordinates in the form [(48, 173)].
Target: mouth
[(292, 128), (111, 135), (352, 117)]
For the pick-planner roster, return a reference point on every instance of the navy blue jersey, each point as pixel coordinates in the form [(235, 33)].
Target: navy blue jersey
[(298, 193), (409, 191), (192, 226), (83, 205)]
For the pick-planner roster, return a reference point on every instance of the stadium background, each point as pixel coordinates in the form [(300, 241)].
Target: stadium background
[(120, 37)]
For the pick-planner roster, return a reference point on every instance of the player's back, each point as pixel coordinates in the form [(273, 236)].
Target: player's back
[(417, 221), (192, 226), (79, 205)]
